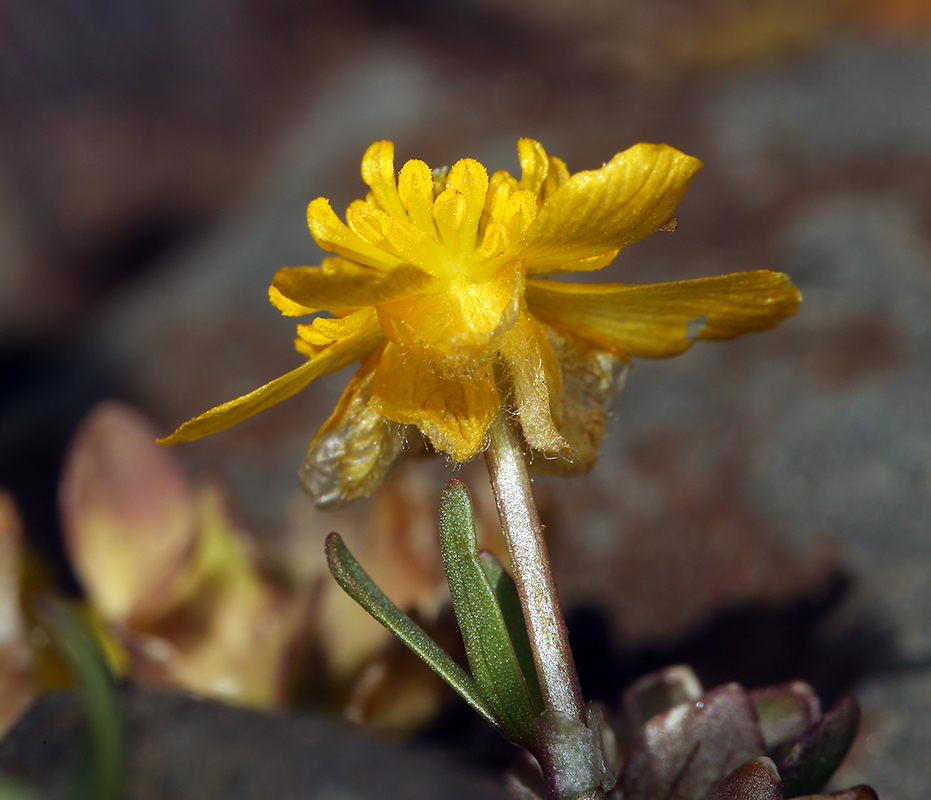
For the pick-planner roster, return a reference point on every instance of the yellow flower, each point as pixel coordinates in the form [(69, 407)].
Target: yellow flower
[(435, 287)]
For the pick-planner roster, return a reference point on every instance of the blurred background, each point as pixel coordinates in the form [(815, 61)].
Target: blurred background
[(761, 508)]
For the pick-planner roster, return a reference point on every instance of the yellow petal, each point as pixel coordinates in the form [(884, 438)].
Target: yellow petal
[(558, 175), (378, 173), (494, 230), (308, 334), (541, 174), (395, 236), (415, 188), (324, 331), (500, 188), (287, 307), (334, 357), (663, 319), (353, 451), (333, 235), (534, 165), (341, 327), (535, 380), (459, 207), (453, 413), (583, 224), (349, 285)]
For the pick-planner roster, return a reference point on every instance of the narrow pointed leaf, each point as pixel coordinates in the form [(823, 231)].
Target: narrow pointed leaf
[(360, 587), (101, 777), (812, 761), (484, 632), (502, 585)]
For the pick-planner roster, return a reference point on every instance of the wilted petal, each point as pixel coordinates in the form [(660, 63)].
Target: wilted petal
[(334, 357), (591, 380), (355, 448), (534, 375), (453, 412), (664, 319), (583, 224)]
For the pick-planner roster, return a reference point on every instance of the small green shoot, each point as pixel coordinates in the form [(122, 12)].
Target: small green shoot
[(492, 657), (103, 774), (360, 587)]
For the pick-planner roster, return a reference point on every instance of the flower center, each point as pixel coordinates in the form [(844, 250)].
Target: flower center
[(461, 325)]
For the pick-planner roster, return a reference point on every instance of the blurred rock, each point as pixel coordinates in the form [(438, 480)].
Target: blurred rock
[(899, 19), (787, 120), (895, 736), (687, 530), (182, 748), (126, 126), (661, 40)]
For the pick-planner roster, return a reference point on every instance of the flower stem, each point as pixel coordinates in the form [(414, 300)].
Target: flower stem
[(546, 628)]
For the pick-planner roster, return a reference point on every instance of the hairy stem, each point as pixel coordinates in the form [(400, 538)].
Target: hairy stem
[(546, 628)]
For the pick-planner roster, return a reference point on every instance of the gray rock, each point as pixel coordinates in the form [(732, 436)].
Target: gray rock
[(179, 747)]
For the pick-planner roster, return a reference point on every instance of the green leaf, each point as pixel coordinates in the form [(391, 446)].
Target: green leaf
[(103, 775), (502, 585), (494, 663), (360, 587)]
